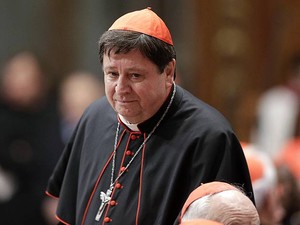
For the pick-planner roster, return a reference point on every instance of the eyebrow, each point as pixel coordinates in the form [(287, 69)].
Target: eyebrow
[(131, 69), (108, 67)]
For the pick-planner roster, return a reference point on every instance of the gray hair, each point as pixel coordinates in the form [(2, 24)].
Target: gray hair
[(230, 207)]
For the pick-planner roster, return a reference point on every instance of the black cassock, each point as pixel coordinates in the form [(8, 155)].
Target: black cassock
[(194, 144)]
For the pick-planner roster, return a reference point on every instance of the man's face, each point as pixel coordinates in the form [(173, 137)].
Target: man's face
[(134, 86)]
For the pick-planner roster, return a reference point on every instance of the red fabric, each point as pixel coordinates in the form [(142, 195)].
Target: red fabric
[(255, 165), (144, 21), (290, 156)]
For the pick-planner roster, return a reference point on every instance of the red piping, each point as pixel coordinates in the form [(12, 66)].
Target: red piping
[(60, 220), (141, 184), (97, 182), (50, 195)]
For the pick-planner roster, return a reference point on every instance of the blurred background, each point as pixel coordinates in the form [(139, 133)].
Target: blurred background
[(229, 53)]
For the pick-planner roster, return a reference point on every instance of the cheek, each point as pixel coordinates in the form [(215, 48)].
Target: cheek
[(109, 90), (154, 95)]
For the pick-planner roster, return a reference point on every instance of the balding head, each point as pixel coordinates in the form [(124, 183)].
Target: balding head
[(229, 206)]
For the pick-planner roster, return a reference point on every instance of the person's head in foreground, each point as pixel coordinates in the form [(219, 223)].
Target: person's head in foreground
[(138, 60), (221, 202), (200, 222)]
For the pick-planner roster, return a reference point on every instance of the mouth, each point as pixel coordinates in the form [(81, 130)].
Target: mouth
[(122, 102)]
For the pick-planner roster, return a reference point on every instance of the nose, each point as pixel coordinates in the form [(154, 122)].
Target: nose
[(122, 85)]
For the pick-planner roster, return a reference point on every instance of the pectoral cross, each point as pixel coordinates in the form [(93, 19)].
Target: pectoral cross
[(105, 198)]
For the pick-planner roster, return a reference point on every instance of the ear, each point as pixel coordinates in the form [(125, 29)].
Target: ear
[(170, 71)]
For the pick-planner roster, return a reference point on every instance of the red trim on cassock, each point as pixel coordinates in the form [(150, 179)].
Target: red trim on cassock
[(94, 189), (60, 220), (50, 195), (56, 216), (141, 184), (97, 182)]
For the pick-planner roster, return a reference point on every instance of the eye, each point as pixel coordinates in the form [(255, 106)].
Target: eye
[(112, 74), (136, 77)]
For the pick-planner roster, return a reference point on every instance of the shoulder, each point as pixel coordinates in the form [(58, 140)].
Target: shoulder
[(99, 113), (101, 106), (199, 113)]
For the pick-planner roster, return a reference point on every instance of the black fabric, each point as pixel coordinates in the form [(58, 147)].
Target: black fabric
[(194, 144)]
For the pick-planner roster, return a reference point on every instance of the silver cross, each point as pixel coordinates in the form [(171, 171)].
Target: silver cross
[(105, 198)]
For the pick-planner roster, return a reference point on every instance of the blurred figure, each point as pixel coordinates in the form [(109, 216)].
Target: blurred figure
[(289, 195), (220, 202), (278, 112), (77, 91), (23, 86), (29, 139), (265, 185), (289, 155)]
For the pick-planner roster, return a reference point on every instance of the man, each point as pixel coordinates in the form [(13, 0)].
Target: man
[(137, 153), (220, 202)]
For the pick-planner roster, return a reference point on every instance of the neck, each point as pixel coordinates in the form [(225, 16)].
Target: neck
[(131, 126)]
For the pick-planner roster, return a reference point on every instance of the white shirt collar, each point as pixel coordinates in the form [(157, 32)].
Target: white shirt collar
[(131, 126)]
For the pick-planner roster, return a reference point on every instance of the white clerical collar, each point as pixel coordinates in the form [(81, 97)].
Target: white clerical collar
[(131, 126)]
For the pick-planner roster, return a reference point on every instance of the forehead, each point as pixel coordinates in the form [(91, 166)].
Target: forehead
[(133, 58)]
